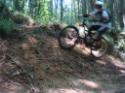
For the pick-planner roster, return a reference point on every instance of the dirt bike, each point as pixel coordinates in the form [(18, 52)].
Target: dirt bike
[(70, 36)]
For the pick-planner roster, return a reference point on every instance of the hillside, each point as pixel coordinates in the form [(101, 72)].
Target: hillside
[(33, 62)]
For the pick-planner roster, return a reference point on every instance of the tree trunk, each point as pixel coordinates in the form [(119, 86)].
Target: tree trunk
[(121, 8), (124, 21), (78, 9), (61, 10), (51, 7)]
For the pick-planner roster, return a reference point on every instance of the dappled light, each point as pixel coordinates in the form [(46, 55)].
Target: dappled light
[(87, 83), (122, 71), (62, 46), (101, 62), (68, 91), (8, 86), (32, 40), (60, 71), (114, 61)]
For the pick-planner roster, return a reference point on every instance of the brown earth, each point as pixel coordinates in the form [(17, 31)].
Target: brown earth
[(36, 64)]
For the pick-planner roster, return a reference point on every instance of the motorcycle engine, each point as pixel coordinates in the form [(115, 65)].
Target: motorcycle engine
[(82, 31)]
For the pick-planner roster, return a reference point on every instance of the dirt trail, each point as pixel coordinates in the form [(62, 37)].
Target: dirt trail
[(46, 68)]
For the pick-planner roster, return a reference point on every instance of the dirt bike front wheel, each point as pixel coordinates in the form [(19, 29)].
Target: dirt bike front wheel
[(67, 37)]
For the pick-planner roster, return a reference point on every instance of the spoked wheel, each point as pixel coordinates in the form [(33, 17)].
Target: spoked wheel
[(101, 48), (67, 37)]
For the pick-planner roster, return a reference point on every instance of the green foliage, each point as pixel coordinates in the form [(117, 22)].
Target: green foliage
[(45, 11), (20, 18), (121, 42), (19, 5), (6, 26), (42, 14)]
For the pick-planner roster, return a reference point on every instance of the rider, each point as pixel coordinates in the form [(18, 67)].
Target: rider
[(101, 19)]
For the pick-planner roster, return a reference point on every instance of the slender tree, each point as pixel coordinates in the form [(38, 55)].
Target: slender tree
[(61, 10)]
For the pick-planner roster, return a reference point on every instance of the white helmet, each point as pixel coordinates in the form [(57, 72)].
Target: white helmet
[(99, 2)]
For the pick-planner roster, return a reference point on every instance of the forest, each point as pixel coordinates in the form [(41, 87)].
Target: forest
[(45, 47), (51, 11)]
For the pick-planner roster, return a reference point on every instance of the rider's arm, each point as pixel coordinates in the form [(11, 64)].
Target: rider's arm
[(105, 15), (88, 15), (92, 14)]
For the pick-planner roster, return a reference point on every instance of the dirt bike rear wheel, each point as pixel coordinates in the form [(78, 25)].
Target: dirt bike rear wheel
[(101, 50), (67, 37)]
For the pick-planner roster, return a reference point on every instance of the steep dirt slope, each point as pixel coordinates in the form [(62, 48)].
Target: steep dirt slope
[(36, 64)]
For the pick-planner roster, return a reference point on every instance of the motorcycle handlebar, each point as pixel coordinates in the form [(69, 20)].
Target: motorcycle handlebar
[(84, 15)]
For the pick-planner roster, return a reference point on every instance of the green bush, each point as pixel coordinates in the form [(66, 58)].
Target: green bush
[(6, 26), (21, 18)]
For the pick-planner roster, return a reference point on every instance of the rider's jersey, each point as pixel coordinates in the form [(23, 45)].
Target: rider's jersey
[(99, 17)]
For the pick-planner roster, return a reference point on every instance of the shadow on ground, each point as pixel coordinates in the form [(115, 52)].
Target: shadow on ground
[(53, 70)]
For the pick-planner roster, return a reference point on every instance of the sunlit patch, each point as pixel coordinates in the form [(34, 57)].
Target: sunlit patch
[(24, 46), (32, 40), (87, 83), (101, 62), (117, 63), (122, 71), (70, 90), (12, 87)]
